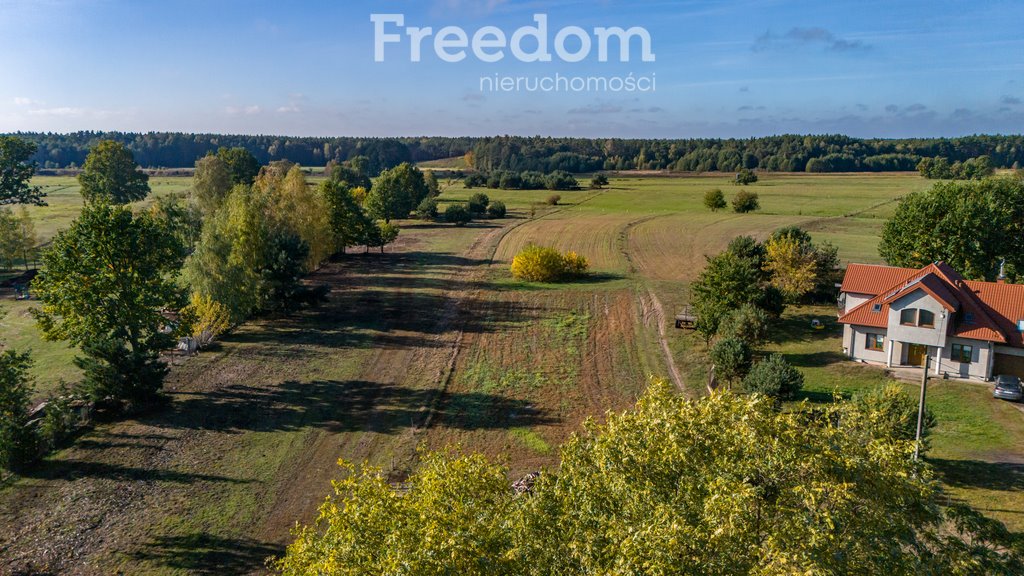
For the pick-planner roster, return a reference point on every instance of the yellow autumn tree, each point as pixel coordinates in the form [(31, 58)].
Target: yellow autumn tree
[(302, 209), (205, 318), (792, 265)]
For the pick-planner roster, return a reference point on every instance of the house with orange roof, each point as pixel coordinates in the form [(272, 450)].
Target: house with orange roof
[(901, 316)]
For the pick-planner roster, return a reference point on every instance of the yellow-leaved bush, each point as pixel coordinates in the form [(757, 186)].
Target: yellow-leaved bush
[(544, 264), (205, 319)]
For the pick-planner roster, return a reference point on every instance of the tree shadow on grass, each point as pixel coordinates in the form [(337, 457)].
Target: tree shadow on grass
[(815, 359), (1002, 476), (797, 328), (337, 406), (53, 469), (205, 554)]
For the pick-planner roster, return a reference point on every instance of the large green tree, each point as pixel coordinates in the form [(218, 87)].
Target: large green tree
[(727, 282), (110, 174), (16, 172), (971, 225), (719, 486), (241, 165), (396, 192), (211, 183), (104, 283)]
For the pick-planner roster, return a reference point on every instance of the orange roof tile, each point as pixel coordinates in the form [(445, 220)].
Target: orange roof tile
[(990, 306), (874, 279)]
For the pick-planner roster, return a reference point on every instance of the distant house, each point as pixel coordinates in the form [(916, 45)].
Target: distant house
[(898, 316)]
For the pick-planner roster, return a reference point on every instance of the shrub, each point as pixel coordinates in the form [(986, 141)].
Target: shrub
[(775, 378), (60, 420), (599, 181), (17, 441), (731, 357), (889, 413), (205, 319), (496, 209), (714, 200), (478, 204), (554, 199), (748, 323), (575, 264), (427, 210), (745, 177), (745, 202), (457, 214), (543, 264), (115, 375)]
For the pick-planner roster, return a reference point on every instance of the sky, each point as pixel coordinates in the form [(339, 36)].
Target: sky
[(865, 68)]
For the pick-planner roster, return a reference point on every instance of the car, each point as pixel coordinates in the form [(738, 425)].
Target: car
[(1008, 388)]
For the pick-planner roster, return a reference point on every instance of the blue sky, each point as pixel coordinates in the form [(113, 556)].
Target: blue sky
[(739, 68)]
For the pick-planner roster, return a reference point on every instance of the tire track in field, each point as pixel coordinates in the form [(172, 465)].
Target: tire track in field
[(653, 306)]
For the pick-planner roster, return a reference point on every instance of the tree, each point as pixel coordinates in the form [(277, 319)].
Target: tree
[(183, 219), (110, 174), (396, 192), (347, 220), (726, 283), (745, 202), (16, 172), (553, 200), (302, 210), (433, 187), (26, 237), (971, 225), (714, 200), (792, 265), (496, 209), (17, 441), (745, 177), (211, 183), (775, 378), (385, 234), (732, 358), (723, 485), (427, 210), (599, 181), (457, 214), (893, 414), (10, 243), (241, 165), (103, 285), (478, 204), (748, 323), (205, 319)]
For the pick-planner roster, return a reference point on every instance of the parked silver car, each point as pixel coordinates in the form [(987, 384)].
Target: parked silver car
[(1008, 388)]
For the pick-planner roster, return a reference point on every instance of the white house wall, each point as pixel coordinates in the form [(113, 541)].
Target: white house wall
[(913, 334), (855, 342), (853, 300), (980, 357)]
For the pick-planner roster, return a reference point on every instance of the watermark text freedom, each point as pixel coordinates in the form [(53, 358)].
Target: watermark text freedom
[(527, 44)]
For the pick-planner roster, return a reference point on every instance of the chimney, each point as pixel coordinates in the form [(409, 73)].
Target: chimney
[(1002, 272)]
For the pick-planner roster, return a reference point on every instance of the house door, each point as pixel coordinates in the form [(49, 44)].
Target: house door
[(916, 354)]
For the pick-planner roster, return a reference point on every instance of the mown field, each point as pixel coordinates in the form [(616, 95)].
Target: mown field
[(433, 344)]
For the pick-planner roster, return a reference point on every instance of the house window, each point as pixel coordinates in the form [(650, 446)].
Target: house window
[(875, 342), (962, 353), (908, 317), (926, 319), (876, 307), (915, 317)]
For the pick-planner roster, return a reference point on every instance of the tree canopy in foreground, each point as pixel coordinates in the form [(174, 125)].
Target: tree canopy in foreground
[(723, 485)]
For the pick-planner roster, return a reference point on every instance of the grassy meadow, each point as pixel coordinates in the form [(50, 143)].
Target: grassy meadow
[(434, 344)]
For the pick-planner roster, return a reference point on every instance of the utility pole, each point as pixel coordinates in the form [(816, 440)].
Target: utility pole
[(920, 406)]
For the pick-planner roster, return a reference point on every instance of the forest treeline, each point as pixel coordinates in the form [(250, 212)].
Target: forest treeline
[(787, 153)]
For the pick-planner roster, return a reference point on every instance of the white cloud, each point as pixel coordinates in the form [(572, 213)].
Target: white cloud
[(22, 101), (64, 111), (247, 110)]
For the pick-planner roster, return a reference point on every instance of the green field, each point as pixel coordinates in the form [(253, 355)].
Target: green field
[(434, 344)]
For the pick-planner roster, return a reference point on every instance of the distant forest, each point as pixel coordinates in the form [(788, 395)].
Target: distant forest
[(789, 153)]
